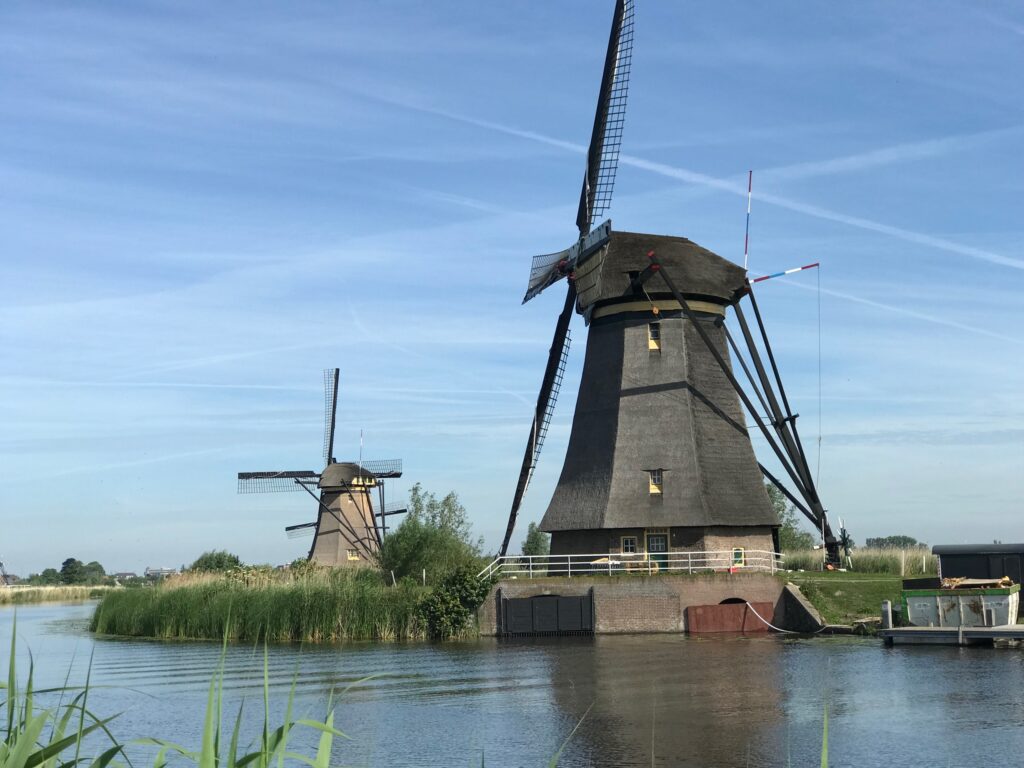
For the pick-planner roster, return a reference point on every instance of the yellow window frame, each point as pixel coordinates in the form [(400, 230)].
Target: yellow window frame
[(654, 336)]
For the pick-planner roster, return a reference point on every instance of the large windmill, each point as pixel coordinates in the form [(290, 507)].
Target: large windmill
[(659, 456), (347, 530)]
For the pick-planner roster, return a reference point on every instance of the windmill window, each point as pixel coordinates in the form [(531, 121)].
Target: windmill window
[(739, 556), (628, 545), (655, 479), (353, 554), (654, 336)]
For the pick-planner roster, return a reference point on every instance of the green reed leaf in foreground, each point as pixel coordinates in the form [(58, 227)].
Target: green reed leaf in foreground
[(558, 754), (824, 738)]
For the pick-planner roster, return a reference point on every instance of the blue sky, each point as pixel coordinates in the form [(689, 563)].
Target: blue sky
[(204, 205)]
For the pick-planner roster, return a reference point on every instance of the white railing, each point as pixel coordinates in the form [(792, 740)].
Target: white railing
[(726, 561)]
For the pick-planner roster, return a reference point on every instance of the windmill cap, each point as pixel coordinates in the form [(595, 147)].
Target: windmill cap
[(343, 473), (697, 272)]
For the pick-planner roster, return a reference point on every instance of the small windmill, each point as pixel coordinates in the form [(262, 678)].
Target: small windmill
[(659, 456), (347, 531)]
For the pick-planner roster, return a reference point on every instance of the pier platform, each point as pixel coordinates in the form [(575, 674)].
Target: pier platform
[(952, 635)]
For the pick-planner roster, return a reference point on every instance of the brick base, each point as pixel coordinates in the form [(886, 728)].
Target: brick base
[(651, 604)]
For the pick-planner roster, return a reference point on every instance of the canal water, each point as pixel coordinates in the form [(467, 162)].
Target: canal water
[(637, 700)]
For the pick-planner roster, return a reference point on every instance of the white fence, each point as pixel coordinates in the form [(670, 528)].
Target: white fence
[(728, 561)]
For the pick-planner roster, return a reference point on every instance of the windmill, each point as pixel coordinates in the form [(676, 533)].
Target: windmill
[(347, 530), (659, 456)]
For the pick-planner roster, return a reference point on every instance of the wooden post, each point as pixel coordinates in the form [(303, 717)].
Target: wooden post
[(886, 614)]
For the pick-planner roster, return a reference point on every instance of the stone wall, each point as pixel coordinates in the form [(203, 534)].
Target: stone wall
[(651, 604)]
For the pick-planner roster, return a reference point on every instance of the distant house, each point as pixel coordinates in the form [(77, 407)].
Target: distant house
[(159, 573), (125, 575)]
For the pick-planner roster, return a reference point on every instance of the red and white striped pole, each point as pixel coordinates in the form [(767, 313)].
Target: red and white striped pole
[(746, 236), (786, 272)]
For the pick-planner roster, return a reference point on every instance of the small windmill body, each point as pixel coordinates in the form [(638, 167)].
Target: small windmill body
[(659, 457), (348, 531)]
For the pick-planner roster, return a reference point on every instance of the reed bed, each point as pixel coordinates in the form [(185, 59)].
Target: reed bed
[(895, 562), (307, 605), (23, 595)]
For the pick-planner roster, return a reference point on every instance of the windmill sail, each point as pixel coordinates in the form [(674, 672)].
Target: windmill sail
[(330, 411), (595, 197), (276, 482), (603, 156)]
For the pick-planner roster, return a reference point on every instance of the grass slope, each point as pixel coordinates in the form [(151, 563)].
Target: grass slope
[(842, 598)]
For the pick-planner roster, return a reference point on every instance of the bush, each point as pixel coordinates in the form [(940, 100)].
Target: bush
[(216, 560), (447, 611)]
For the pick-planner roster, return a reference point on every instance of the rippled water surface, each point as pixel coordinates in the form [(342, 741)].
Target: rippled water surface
[(647, 700)]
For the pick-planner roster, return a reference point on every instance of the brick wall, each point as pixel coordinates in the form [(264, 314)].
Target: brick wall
[(645, 604)]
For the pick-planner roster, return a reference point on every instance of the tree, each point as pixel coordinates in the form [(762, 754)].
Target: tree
[(536, 543), (93, 573), (791, 537), (434, 537), (48, 578), (72, 571), (893, 542), (216, 560)]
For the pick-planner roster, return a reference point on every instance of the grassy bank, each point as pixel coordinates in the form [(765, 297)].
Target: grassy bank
[(319, 606), (894, 562), (842, 598), (23, 595)]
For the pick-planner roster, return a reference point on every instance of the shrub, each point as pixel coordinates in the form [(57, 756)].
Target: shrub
[(447, 611)]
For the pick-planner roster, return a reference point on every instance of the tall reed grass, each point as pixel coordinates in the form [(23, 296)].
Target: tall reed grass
[(65, 735), (894, 562), (307, 605), (23, 595)]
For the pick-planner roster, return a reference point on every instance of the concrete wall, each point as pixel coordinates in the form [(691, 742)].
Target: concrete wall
[(651, 604)]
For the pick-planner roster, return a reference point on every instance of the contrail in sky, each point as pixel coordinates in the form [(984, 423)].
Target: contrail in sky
[(734, 188)]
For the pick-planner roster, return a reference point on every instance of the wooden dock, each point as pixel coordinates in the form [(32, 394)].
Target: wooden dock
[(952, 635)]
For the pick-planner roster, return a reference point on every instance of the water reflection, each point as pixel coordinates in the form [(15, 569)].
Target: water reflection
[(669, 700), (652, 700)]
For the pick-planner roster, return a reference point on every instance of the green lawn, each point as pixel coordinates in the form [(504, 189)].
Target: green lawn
[(842, 598)]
